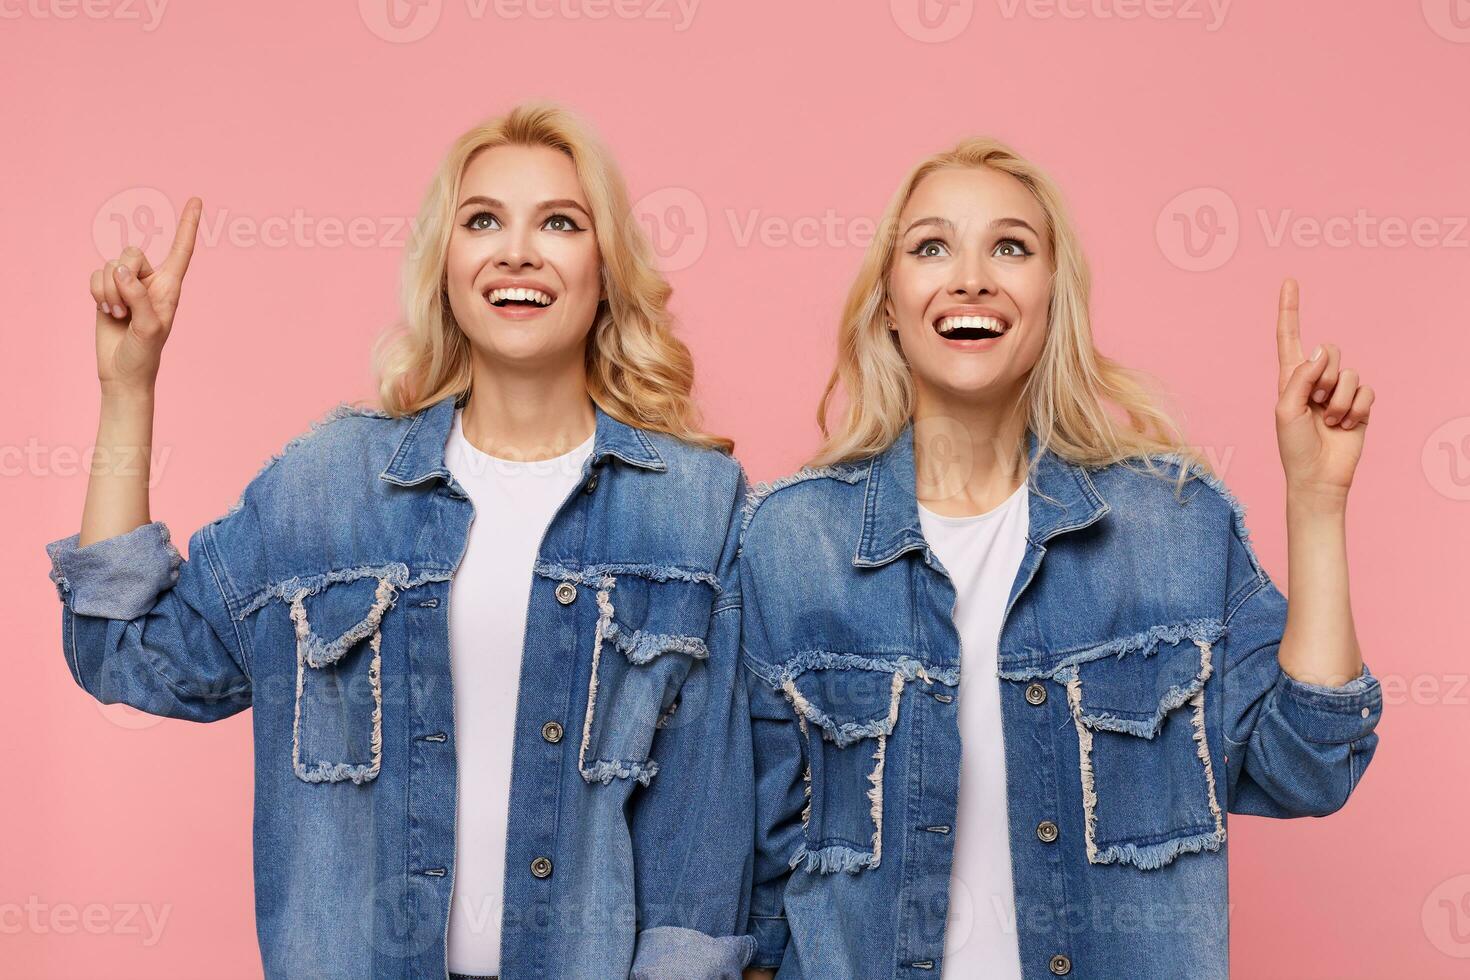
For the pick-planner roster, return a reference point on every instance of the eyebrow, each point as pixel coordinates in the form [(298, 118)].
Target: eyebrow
[(948, 225), (543, 206)]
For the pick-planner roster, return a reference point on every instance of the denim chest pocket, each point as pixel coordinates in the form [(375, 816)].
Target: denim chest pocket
[(846, 717), (337, 724), (649, 636), (1145, 740)]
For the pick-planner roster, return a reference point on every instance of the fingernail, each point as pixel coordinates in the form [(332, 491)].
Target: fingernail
[(123, 272), (1330, 420), (1317, 353), (1349, 423), (1319, 395), (118, 311)]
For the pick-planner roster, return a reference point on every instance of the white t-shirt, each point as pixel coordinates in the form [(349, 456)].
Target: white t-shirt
[(982, 554), (514, 502)]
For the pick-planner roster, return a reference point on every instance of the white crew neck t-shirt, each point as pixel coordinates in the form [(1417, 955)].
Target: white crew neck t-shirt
[(488, 597), (982, 554)]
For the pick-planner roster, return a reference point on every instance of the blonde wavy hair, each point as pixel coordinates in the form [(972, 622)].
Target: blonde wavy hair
[(1072, 399), (638, 371)]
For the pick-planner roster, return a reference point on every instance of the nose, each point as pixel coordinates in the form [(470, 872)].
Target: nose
[(972, 278), (516, 250)]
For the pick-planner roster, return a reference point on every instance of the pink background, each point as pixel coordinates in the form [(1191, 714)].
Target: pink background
[(761, 137)]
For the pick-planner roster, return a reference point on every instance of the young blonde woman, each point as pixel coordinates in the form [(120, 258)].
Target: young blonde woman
[(489, 631), (1012, 657)]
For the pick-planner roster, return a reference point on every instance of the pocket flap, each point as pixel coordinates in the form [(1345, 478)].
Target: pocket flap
[(331, 618), (848, 704), (651, 618), (1132, 691)]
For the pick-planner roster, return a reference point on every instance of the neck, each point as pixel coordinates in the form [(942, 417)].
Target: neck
[(969, 455), (528, 414)]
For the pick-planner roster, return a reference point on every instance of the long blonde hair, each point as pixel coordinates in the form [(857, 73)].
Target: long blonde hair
[(638, 371), (1066, 396)]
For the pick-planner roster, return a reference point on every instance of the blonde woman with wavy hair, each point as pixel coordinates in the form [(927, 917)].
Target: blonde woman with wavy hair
[(1012, 657), (489, 630)]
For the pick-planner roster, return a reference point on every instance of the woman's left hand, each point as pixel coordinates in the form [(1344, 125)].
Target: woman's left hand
[(1321, 411)]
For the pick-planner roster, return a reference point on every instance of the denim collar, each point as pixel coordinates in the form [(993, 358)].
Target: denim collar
[(1062, 498), (420, 454)]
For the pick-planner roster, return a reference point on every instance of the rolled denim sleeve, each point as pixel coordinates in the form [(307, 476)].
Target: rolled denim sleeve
[(692, 826), (145, 627), (1293, 748)]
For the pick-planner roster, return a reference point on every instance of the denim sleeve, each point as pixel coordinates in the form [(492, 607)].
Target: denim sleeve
[(142, 626), (692, 826), (1292, 748)]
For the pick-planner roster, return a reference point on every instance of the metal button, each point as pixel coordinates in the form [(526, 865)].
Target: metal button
[(1047, 831), (1036, 693), (541, 867), (1060, 965), (591, 483), (551, 731), (565, 593)]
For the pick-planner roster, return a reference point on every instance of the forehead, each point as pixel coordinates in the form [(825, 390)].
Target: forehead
[(522, 174), (972, 197)]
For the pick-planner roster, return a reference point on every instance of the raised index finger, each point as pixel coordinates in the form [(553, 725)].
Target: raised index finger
[(179, 253), (1288, 332)]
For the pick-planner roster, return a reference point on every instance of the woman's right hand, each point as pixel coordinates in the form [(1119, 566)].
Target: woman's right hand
[(135, 309)]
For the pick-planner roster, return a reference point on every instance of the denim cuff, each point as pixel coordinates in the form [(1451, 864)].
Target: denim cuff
[(1332, 714), (771, 935), (118, 577), (674, 953)]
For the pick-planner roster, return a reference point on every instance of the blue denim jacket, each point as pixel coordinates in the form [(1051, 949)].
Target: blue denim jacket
[(1142, 702), (320, 601)]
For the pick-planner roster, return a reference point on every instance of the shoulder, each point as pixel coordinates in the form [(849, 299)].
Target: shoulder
[(338, 447), (800, 500), (712, 472), (1201, 501)]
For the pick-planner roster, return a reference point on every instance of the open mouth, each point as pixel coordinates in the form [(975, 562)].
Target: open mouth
[(523, 298), (971, 327)]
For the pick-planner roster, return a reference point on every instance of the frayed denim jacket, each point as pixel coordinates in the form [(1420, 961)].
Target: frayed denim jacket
[(1142, 702), (320, 601)]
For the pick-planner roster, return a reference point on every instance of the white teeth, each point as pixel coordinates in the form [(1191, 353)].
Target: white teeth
[(951, 323), (533, 295)]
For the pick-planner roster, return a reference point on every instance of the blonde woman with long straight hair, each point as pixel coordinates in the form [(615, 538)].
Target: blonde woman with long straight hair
[(1012, 657), (488, 629)]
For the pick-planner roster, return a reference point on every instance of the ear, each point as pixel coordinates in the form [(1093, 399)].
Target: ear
[(888, 314)]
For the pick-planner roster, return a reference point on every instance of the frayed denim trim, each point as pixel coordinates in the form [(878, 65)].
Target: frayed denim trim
[(395, 573), (1146, 642), (604, 771), (777, 675), (1176, 696), (323, 772), (756, 495), (594, 574), (319, 652), (1153, 856), (641, 648), (828, 860), (845, 733), (342, 410)]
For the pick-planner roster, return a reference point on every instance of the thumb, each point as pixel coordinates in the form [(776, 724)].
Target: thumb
[(145, 322)]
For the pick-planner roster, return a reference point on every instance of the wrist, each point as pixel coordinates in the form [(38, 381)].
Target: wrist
[(1316, 499)]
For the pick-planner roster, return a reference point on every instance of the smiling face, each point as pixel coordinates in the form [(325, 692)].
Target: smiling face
[(523, 270), (970, 285)]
